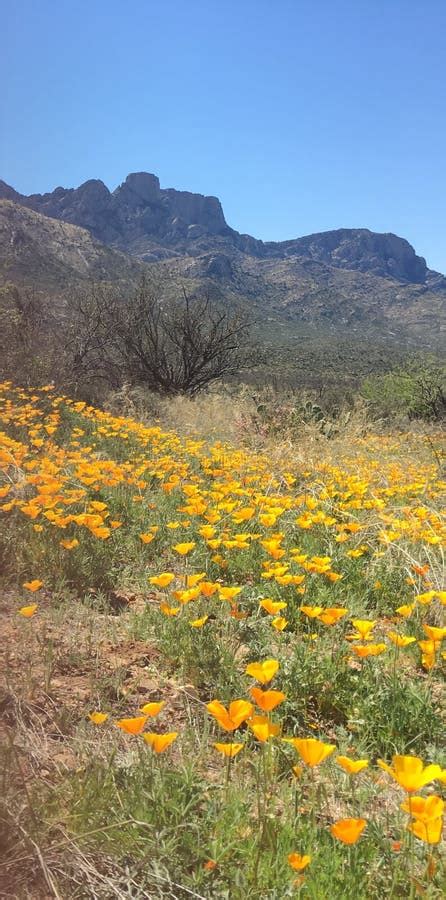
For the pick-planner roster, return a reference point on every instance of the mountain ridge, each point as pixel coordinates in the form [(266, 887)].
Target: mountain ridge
[(152, 223)]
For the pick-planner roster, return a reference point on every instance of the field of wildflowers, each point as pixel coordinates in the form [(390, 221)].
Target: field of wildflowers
[(224, 669)]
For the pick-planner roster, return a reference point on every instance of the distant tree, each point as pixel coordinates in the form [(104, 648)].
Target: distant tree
[(28, 335), (416, 389), (170, 346)]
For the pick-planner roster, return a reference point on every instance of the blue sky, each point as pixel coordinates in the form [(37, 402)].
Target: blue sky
[(300, 116)]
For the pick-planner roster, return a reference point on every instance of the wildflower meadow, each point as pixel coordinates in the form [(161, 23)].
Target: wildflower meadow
[(223, 665)]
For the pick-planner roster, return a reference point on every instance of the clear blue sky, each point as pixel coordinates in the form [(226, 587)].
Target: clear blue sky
[(300, 115)]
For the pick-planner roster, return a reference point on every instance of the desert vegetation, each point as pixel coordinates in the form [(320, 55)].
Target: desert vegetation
[(224, 647)]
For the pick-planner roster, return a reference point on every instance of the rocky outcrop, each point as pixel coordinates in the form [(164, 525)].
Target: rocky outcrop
[(137, 209), (359, 249)]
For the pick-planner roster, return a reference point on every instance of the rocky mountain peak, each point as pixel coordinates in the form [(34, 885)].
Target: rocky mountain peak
[(141, 185)]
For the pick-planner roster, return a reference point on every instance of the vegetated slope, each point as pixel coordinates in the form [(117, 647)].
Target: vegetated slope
[(312, 291), (46, 253)]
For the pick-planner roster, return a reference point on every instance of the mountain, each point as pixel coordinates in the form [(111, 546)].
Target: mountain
[(347, 283), (144, 220)]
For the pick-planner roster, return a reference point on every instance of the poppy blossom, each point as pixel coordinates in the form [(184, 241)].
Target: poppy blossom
[(162, 580), (266, 700), (28, 611), (312, 751), (133, 725), (228, 593), (231, 718), (229, 749), (366, 650), (433, 633), (263, 728), (153, 708), (312, 611), (198, 623), (410, 772), (184, 548), (430, 832), (424, 808), (279, 623), (332, 615), (160, 742), (208, 588), (169, 610), (351, 766), (263, 671), (98, 718), (364, 627), (400, 640), (33, 585), (272, 606), (348, 830), (298, 862)]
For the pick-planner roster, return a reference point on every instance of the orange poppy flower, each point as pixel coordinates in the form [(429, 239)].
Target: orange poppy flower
[(133, 725), (332, 615), (229, 749), (279, 623), (363, 629), (228, 593), (33, 585), (231, 718), (98, 718), (298, 862), (365, 650), (272, 606), (312, 751), (430, 832), (153, 708), (351, 766), (198, 623), (312, 611), (263, 671), (184, 548), (267, 700), (410, 772), (160, 742), (28, 611), (424, 808), (400, 640), (433, 633), (263, 728), (348, 830), (162, 580), (169, 610), (208, 588)]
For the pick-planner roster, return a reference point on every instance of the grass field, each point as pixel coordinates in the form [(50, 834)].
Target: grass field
[(223, 664)]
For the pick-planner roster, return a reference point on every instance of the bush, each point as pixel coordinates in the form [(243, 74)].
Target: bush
[(417, 390)]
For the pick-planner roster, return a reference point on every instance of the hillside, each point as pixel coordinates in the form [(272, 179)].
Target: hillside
[(51, 254)]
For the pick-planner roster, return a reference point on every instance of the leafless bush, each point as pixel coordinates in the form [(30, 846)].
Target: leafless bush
[(168, 346)]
